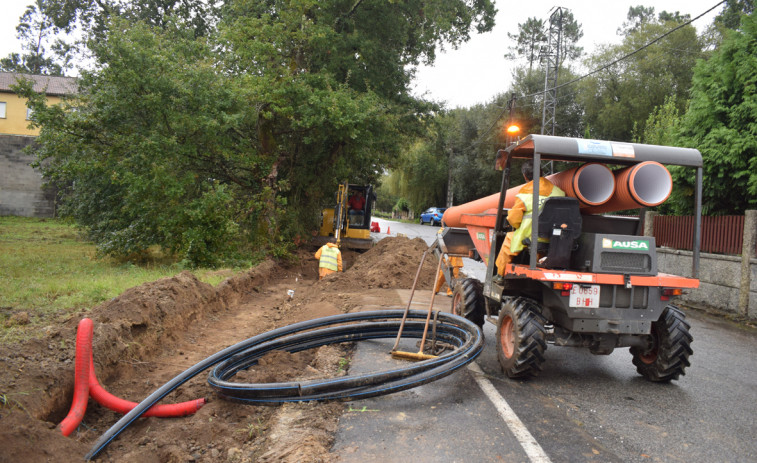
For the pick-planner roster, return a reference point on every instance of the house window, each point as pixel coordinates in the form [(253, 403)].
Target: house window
[(29, 112), (2, 109)]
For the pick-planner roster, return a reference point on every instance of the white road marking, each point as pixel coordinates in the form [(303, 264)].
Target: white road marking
[(532, 448)]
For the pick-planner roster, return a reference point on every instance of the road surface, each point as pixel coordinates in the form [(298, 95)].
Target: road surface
[(582, 408)]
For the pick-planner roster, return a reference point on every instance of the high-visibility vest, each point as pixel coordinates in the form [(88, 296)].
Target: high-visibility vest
[(524, 231), (329, 258)]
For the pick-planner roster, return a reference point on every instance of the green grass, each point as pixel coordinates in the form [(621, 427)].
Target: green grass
[(47, 270)]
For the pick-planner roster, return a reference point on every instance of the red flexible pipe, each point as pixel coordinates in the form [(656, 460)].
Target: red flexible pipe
[(86, 384), (117, 404), (81, 380)]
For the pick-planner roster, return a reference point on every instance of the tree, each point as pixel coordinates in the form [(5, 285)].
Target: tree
[(636, 17), (47, 28), (529, 41), (201, 145), (623, 96), (532, 39), (42, 53), (730, 17), (571, 34), (720, 123), (151, 152)]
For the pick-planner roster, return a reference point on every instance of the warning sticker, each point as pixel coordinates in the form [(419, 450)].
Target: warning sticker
[(598, 147), (623, 150)]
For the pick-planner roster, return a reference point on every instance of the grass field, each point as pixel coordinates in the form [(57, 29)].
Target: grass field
[(47, 269)]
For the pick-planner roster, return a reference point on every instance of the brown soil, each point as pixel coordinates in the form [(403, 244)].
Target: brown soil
[(149, 334)]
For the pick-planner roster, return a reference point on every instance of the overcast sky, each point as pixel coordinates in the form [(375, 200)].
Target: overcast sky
[(477, 71)]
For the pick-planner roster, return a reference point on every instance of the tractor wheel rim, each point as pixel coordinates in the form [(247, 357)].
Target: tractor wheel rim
[(507, 336), (651, 356)]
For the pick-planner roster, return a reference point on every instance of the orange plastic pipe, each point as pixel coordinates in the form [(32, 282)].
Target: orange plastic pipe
[(592, 184), (86, 385), (81, 379), (646, 184), (117, 404)]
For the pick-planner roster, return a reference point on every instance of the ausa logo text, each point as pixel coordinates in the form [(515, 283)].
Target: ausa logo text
[(636, 245)]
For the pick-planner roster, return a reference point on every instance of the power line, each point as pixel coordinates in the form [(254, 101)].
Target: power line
[(601, 68)]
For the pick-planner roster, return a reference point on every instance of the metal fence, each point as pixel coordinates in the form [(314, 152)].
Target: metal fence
[(720, 235)]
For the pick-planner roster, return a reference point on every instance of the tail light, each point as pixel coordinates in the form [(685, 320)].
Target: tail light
[(667, 293), (564, 288)]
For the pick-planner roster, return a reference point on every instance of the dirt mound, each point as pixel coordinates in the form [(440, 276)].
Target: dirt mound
[(392, 263), (151, 333)]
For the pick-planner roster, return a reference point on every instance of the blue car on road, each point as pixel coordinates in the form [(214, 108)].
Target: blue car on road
[(433, 215)]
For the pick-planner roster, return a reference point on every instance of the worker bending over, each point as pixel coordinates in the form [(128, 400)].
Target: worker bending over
[(520, 217), (329, 260)]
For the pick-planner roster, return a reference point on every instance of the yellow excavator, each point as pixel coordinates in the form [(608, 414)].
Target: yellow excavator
[(351, 227)]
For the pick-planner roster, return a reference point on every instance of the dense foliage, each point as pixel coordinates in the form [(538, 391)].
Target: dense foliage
[(653, 93), (722, 122), (213, 130), (207, 141)]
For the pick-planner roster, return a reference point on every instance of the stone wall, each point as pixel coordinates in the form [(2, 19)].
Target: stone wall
[(719, 280), (726, 283), (21, 186)]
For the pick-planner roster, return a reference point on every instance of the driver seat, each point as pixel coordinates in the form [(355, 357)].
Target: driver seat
[(560, 223)]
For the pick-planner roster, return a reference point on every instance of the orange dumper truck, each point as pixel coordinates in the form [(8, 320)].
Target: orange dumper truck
[(592, 280)]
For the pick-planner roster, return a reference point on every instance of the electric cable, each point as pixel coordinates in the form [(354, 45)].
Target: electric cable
[(455, 330), (599, 69)]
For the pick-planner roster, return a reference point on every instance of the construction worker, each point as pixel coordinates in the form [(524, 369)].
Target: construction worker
[(456, 263), (356, 204), (329, 260), (520, 218)]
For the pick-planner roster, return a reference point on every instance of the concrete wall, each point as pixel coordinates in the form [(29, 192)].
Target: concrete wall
[(21, 186), (719, 280)]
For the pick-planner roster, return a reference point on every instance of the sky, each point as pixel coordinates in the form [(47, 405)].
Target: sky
[(477, 71)]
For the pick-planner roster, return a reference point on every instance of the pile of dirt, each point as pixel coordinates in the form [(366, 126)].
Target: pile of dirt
[(153, 332), (392, 263)]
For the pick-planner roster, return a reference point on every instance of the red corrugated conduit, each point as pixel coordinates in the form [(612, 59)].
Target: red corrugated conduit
[(86, 385)]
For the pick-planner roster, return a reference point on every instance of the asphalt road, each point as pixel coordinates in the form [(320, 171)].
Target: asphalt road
[(582, 408)]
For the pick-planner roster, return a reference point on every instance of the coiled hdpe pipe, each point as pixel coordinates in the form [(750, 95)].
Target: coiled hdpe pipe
[(86, 385), (350, 387), (463, 334)]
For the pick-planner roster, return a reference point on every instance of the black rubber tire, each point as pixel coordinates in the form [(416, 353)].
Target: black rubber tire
[(468, 301), (521, 338), (668, 356)]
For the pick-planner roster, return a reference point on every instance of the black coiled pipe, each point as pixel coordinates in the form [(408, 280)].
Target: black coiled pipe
[(454, 330)]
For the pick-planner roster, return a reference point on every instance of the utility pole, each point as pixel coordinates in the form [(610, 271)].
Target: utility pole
[(449, 179), (513, 130), (552, 65)]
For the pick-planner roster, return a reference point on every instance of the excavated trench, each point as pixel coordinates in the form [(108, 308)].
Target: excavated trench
[(148, 334)]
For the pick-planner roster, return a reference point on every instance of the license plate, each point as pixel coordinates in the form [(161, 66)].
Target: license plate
[(584, 296)]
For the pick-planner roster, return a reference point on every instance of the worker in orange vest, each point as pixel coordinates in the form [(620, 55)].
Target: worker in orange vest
[(329, 260), (520, 217), (456, 263)]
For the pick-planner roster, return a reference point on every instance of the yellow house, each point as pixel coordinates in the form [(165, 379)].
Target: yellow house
[(14, 115), (22, 189)]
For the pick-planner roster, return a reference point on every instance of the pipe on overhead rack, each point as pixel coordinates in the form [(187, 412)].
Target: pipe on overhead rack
[(646, 184), (592, 184)]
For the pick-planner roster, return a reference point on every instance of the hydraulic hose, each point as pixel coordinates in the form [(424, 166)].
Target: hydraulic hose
[(86, 385), (464, 335)]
